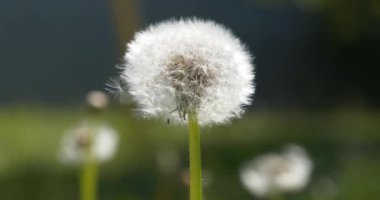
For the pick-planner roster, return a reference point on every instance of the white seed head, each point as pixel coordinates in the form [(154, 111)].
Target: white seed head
[(287, 172), (74, 141), (189, 65), (97, 99)]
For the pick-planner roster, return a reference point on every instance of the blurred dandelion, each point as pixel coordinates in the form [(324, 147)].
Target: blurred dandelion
[(88, 144), (97, 100), (272, 174), (75, 141), (192, 71)]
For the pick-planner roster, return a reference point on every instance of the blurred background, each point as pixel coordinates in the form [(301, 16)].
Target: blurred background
[(317, 66)]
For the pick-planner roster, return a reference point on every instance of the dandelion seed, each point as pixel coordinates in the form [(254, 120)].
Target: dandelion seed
[(189, 65)]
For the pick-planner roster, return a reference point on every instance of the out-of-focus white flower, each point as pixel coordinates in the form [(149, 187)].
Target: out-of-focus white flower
[(97, 99), (286, 172), (188, 65), (73, 144)]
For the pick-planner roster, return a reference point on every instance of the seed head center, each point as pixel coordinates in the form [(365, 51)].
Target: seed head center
[(189, 76)]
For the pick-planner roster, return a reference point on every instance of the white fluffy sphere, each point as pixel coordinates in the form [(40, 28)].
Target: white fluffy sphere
[(273, 172), (105, 142), (189, 65)]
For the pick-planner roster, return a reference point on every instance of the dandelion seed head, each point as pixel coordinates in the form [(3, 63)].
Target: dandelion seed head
[(188, 65), (286, 172), (76, 140), (113, 86)]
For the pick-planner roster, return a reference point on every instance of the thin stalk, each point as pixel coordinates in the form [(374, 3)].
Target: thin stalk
[(89, 174), (195, 157)]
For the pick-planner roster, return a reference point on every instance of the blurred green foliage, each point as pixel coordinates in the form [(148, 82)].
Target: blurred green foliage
[(344, 145), (350, 21)]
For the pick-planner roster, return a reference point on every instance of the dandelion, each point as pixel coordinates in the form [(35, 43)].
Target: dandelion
[(192, 71), (76, 140), (97, 100), (178, 67), (272, 174), (88, 144)]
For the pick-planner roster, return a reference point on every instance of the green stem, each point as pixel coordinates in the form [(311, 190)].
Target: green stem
[(89, 175), (195, 157)]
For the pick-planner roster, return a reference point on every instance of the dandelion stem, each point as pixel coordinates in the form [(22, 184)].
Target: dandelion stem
[(195, 157), (89, 175)]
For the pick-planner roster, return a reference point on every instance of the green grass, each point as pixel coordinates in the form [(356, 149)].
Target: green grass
[(344, 144)]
